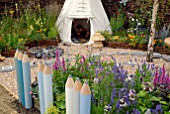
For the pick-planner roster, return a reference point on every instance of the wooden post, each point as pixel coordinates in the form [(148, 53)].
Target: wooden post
[(20, 70), (17, 74), (40, 87), (149, 57), (76, 96), (69, 95), (85, 99), (27, 81), (47, 84)]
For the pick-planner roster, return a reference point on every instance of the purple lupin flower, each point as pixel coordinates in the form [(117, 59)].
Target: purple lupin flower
[(114, 91), (155, 81), (159, 109), (162, 78)]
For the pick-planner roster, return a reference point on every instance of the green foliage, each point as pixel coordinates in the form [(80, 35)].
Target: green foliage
[(117, 24), (30, 25)]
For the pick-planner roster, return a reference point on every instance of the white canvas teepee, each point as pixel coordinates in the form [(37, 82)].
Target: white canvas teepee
[(92, 10)]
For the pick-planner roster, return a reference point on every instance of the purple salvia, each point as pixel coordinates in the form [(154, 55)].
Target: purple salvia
[(162, 78), (155, 81)]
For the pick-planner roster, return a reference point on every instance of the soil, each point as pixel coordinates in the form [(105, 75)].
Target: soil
[(9, 104)]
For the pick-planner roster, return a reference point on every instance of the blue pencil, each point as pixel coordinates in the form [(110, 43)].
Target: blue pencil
[(85, 99), (40, 87), (20, 70), (27, 81), (47, 84), (17, 74)]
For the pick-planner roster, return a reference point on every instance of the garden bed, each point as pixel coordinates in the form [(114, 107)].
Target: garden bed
[(39, 43), (158, 49)]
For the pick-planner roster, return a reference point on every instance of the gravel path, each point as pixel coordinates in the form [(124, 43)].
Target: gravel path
[(125, 56)]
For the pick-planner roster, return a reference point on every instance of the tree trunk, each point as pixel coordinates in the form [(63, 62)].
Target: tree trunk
[(149, 57)]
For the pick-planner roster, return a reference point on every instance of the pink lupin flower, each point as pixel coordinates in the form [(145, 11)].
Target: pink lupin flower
[(63, 64), (155, 82), (83, 58), (30, 92), (162, 78), (168, 82)]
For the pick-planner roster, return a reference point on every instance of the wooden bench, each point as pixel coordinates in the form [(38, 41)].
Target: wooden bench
[(167, 42)]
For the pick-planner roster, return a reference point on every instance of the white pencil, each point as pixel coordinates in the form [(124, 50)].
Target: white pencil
[(76, 96), (40, 87), (69, 95), (85, 99), (47, 85), (27, 81)]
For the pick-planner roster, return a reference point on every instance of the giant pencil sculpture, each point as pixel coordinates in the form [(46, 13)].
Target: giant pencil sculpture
[(20, 70), (17, 74), (69, 95), (27, 81), (47, 84), (76, 96), (40, 87), (85, 99)]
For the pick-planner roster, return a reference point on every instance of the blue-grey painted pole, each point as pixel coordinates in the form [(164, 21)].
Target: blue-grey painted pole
[(17, 74), (85, 99), (47, 84), (40, 87), (20, 70), (27, 81)]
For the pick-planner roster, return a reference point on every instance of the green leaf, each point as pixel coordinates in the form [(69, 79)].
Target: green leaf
[(142, 93), (154, 98), (62, 106), (166, 112), (163, 102), (165, 108), (143, 108)]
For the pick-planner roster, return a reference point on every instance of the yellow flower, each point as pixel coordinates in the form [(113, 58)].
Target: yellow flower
[(154, 42), (11, 12), (160, 41), (21, 39), (131, 36), (116, 38), (39, 31)]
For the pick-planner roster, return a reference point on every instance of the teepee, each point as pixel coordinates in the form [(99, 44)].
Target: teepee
[(88, 13)]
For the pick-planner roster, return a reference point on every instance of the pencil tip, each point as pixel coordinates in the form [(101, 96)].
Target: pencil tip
[(77, 79), (70, 76), (86, 82)]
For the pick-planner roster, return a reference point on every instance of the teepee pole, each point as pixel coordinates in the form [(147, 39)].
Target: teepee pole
[(149, 57)]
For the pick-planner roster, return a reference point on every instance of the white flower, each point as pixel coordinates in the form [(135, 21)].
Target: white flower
[(96, 80), (139, 24), (128, 79), (137, 20), (123, 2), (123, 105), (133, 19)]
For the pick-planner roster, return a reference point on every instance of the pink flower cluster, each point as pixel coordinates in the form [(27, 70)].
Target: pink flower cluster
[(59, 63), (161, 78)]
